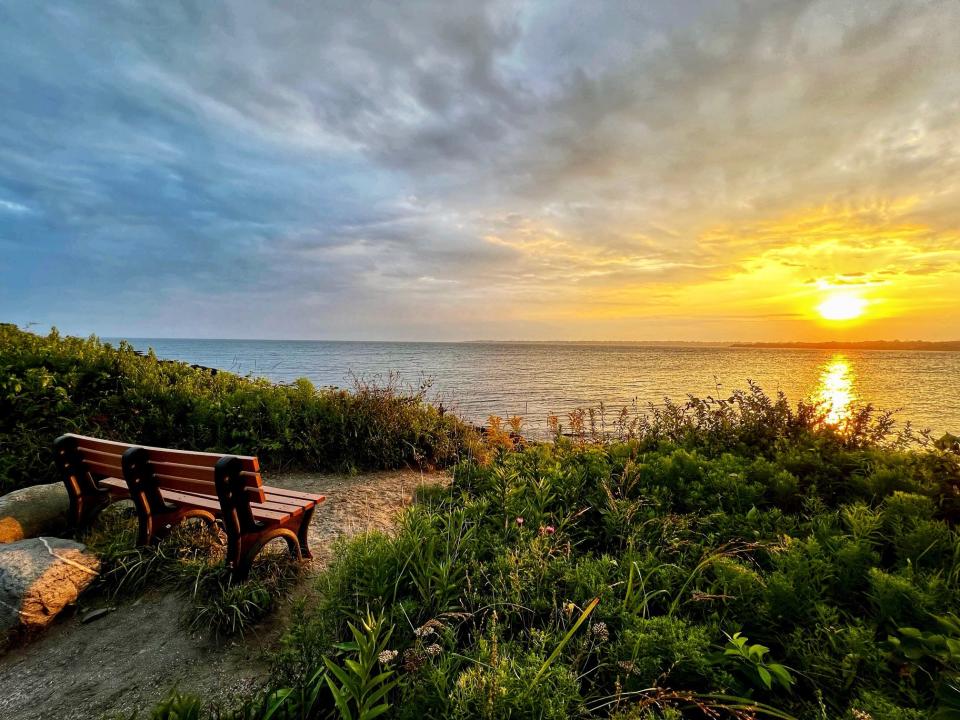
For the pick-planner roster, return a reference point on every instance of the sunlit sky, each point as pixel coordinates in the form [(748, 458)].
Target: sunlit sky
[(482, 170)]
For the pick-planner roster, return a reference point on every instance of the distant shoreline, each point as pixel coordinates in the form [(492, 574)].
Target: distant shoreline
[(944, 346), (941, 346)]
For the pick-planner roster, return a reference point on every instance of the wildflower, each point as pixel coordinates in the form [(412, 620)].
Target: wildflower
[(433, 650), (548, 530), (553, 423), (387, 656), (413, 659), (519, 522), (429, 628), (600, 632)]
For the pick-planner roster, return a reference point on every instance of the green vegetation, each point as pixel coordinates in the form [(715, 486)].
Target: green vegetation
[(733, 558), (191, 560), (720, 558), (52, 385)]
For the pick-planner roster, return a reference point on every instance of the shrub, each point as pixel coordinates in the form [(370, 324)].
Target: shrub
[(54, 384), (685, 544), (668, 652)]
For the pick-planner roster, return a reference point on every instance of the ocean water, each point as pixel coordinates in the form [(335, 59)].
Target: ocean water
[(535, 380)]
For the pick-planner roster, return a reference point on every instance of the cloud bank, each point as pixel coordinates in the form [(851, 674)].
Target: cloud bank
[(436, 170)]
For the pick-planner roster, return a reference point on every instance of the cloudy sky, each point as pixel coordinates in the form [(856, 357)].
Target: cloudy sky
[(466, 170)]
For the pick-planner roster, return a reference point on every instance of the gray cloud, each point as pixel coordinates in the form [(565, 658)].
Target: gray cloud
[(291, 169)]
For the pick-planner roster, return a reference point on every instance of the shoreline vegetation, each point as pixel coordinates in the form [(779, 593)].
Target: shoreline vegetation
[(931, 345), (54, 384), (717, 558)]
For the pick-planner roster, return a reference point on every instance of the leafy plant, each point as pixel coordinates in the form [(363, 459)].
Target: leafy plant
[(752, 659), (359, 688), (942, 647)]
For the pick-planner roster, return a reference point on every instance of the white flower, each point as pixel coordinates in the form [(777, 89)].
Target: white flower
[(600, 632)]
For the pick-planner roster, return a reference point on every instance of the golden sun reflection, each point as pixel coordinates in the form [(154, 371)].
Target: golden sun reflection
[(835, 389)]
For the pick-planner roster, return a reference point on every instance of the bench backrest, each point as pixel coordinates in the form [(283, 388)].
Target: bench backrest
[(183, 470)]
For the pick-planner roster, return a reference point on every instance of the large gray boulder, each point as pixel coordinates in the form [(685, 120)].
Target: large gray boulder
[(39, 577), (33, 511)]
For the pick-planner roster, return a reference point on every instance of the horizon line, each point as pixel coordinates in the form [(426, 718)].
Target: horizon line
[(475, 341)]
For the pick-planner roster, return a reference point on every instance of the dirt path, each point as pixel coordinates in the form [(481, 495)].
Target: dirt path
[(132, 657)]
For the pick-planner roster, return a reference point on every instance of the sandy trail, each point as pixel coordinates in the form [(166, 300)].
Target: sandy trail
[(132, 657)]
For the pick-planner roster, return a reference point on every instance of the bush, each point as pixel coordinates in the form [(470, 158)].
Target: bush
[(792, 542), (54, 384)]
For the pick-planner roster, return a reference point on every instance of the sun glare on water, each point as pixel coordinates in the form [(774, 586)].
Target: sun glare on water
[(836, 389), (842, 306)]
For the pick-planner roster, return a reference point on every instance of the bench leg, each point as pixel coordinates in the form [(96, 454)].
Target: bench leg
[(240, 555), (145, 535), (156, 526), (303, 534), (84, 507)]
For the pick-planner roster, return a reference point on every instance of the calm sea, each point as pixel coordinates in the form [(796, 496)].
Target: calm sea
[(535, 380)]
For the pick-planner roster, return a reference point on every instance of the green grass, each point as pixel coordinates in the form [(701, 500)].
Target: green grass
[(53, 384), (756, 564), (189, 561)]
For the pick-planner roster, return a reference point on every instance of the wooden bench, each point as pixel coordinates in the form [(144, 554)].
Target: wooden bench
[(169, 486)]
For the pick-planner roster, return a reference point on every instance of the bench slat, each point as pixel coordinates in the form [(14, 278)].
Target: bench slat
[(299, 494), (265, 511), (102, 468), (207, 503), (203, 474), (197, 487), (187, 457), (116, 485), (176, 487), (99, 455)]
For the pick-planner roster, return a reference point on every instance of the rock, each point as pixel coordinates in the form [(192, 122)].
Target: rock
[(39, 577), (33, 511)]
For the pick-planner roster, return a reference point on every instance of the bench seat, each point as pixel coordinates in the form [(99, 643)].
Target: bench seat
[(168, 486), (275, 508)]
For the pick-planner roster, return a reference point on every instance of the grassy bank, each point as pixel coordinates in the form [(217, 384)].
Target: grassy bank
[(720, 558), (54, 384), (736, 559)]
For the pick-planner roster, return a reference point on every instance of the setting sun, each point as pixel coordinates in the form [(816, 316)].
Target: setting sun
[(841, 306)]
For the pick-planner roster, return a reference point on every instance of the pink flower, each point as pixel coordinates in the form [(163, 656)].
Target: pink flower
[(548, 530), (519, 521)]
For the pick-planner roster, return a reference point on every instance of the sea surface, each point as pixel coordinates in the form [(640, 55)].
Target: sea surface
[(536, 380)]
